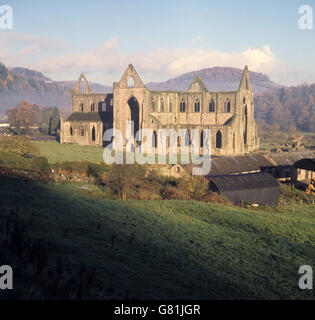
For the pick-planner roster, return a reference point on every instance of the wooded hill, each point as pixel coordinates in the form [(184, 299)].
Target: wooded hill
[(287, 108)]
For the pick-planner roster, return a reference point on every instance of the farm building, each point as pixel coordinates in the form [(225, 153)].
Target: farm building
[(251, 188), (305, 169), (282, 165), (221, 166)]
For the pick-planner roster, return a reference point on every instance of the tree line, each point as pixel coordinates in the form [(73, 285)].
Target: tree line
[(26, 117)]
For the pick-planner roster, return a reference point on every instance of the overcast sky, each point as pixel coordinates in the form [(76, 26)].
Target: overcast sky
[(161, 38)]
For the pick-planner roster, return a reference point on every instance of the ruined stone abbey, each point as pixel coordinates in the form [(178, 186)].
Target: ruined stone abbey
[(229, 115)]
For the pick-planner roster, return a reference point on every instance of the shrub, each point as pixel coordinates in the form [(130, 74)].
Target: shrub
[(196, 186), (82, 167), (13, 160), (172, 193), (123, 179), (19, 145), (40, 163)]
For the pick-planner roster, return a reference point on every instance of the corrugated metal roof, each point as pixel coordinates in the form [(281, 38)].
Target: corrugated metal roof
[(244, 181)]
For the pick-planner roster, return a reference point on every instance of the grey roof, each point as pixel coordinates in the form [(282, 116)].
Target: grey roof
[(86, 116), (244, 181), (238, 164), (288, 158)]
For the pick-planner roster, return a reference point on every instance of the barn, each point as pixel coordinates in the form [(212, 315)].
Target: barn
[(252, 188), (305, 169)]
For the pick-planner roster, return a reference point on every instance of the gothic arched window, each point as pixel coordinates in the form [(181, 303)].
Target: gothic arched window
[(131, 82), (197, 105), (218, 140), (93, 134), (212, 106), (153, 104), (182, 106), (154, 140), (162, 105), (227, 105), (202, 137)]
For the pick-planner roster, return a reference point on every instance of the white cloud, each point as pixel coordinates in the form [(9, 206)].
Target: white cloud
[(17, 49), (107, 63), (111, 44), (159, 64)]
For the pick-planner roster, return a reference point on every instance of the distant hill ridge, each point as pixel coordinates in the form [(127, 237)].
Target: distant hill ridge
[(28, 73), (22, 84), (216, 79)]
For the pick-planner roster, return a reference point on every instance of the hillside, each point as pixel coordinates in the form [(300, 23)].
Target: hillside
[(216, 79), (287, 108), (20, 84), (151, 249)]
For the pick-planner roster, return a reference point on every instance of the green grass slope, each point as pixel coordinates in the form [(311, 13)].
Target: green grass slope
[(56, 152), (168, 249)]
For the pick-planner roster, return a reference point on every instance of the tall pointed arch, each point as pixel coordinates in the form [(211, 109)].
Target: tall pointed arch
[(86, 85)]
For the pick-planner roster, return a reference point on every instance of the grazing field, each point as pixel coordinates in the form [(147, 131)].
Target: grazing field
[(164, 249), (56, 152)]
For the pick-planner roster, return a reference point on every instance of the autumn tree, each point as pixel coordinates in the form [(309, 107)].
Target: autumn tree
[(24, 115)]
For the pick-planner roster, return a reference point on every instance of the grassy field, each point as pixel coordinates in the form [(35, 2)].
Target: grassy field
[(56, 152), (168, 249)]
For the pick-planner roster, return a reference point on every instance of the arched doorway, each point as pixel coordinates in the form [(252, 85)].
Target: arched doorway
[(93, 134), (134, 114), (245, 124)]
